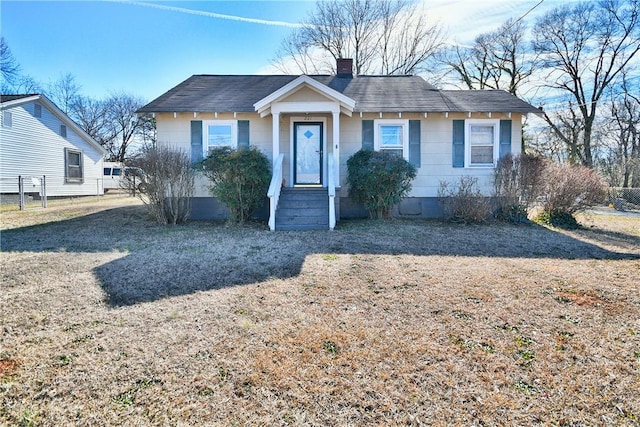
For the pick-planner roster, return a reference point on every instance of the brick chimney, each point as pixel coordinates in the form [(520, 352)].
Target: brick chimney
[(344, 67)]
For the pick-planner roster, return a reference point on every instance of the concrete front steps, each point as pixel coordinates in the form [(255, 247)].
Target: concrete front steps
[(303, 208)]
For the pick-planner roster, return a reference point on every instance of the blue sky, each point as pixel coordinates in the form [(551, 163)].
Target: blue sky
[(145, 47)]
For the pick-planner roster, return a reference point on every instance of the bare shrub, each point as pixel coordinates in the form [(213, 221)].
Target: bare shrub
[(570, 189), (463, 202), (168, 183), (517, 182)]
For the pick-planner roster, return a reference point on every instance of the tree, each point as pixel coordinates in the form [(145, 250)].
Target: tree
[(624, 136), (382, 36), (64, 91), (13, 81), (10, 67), (91, 116), (497, 60), (123, 124), (585, 47)]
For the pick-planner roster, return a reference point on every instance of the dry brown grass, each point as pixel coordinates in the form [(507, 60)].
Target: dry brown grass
[(108, 319)]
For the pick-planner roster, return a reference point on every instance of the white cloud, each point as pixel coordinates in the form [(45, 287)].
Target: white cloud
[(211, 14)]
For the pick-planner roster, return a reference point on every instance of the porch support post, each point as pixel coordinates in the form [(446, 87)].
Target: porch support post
[(275, 137), (336, 146)]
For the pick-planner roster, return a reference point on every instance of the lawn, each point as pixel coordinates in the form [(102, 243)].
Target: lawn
[(109, 319)]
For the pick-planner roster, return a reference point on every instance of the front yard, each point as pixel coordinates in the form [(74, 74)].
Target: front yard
[(108, 319)]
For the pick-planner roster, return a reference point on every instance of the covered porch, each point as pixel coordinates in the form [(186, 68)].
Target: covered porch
[(305, 124)]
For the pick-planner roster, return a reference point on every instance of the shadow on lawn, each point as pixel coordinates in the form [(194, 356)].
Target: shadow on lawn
[(162, 261)]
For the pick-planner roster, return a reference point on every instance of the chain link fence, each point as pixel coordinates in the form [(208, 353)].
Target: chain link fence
[(30, 191), (624, 199)]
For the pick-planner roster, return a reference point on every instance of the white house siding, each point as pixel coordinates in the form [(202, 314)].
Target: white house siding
[(435, 148), (33, 147), (436, 138), (175, 132)]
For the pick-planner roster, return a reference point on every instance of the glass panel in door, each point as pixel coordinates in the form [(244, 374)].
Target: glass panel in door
[(308, 153)]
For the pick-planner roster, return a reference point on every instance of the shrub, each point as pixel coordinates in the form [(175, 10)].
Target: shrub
[(378, 180), (570, 189), (463, 202), (240, 179), (517, 183), (167, 183), (558, 219)]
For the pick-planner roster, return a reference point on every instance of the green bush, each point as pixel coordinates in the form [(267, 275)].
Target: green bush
[(463, 202), (379, 180), (240, 179), (558, 219)]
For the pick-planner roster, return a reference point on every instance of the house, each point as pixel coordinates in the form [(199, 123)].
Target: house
[(309, 126), (38, 139)]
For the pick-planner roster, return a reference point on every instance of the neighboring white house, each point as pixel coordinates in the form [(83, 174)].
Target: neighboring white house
[(38, 139), (316, 122)]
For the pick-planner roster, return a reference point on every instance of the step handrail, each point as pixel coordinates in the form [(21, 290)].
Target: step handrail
[(331, 187), (274, 191)]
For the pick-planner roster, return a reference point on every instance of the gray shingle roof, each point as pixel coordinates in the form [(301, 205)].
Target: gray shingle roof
[(238, 93)]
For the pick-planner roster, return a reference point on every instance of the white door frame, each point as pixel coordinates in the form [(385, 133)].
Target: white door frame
[(302, 119)]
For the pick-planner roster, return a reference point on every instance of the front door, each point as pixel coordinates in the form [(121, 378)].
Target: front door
[(307, 149)]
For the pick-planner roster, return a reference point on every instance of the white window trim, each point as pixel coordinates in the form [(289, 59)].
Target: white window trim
[(392, 122), (205, 133), (7, 119), (467, 142)]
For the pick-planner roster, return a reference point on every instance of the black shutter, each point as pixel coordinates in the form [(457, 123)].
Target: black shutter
[(414, 142), (196, 141), (505, 137), (243, 133), (367, 135), (458, 143)]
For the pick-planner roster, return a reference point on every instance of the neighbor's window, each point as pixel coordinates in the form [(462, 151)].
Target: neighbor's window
[(37, 110), (73, 165), (63, 131), (7, 119), (220, 133), (482, 142), (392, 136)]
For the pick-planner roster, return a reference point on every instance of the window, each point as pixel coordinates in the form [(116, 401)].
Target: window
[(73, 165), (482, 142), (392, 136), (37, 110), (7, 119), (107, 171), (63, 131), (220, 133)]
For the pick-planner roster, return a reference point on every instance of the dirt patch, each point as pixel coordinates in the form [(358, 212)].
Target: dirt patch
[(8, 367), (116, 320)]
